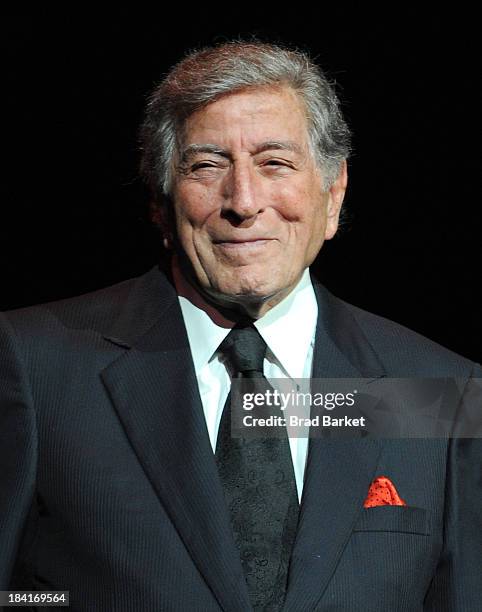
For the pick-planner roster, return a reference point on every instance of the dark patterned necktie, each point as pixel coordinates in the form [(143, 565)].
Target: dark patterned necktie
[(259, 483)]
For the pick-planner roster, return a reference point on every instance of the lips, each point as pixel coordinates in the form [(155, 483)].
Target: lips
[(241, 240), (245, 246)]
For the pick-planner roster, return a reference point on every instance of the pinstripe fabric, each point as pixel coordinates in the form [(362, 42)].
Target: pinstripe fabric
[(108, 485)]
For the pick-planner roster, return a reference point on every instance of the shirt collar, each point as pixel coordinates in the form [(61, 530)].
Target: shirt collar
[(203, 333), (288, 328)]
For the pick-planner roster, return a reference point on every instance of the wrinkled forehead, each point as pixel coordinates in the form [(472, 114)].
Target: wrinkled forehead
[(275, 106)]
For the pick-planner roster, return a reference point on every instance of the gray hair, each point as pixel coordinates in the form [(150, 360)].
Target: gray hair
[(208, 74)]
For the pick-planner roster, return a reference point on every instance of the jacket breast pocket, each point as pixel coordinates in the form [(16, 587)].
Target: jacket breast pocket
[(398, 519)]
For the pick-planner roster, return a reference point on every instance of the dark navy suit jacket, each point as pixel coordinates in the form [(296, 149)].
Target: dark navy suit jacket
[(109, 489)]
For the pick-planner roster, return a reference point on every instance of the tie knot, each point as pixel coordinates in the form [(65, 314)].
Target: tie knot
[(245, 349)]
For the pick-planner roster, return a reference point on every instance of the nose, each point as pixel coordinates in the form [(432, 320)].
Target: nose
[(240, 191)]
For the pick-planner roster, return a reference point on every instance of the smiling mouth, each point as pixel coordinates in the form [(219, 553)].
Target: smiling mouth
[(237, 244)]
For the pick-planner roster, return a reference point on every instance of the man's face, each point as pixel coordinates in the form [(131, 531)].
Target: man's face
[(248, 199)]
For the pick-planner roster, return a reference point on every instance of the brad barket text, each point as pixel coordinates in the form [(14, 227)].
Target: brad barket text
[(295, 421)]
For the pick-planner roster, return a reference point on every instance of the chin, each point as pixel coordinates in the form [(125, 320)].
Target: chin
[(248, 289)]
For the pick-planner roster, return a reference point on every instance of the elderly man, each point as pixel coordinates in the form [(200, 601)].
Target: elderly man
[(120, 479)]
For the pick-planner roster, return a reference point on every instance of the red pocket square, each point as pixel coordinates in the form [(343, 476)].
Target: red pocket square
[(382, 492)]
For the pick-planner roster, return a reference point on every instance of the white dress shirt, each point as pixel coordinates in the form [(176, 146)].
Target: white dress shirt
[(289, 332)]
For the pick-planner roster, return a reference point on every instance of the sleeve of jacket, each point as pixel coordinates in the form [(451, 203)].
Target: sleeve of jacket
[(457, 585), (18, 449)]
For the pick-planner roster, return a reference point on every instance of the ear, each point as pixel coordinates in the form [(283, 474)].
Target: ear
[(161, 216), (336, 194)]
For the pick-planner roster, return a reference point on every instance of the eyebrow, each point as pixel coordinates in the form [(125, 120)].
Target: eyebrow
[(285, 145)]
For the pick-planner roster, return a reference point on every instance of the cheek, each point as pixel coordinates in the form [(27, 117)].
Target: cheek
[(289, 202), (311, 228), (306, 216), (192, 208), (299, 202)]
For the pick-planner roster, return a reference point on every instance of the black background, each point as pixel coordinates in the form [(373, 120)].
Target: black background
[(74, 211)]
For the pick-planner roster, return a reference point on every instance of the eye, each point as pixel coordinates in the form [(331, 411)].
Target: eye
[(275, 165), (275, 162), (203, 164)]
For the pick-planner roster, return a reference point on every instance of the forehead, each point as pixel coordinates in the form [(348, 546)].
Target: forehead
[(274, 113)]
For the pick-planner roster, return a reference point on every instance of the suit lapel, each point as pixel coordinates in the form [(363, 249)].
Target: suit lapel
[(154, 389), (338, 472)]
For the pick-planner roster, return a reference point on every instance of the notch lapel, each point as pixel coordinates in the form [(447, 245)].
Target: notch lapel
[(338, 472), (154, 389)]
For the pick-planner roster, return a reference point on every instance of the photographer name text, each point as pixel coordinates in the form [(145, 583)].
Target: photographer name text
[(296, 421)]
